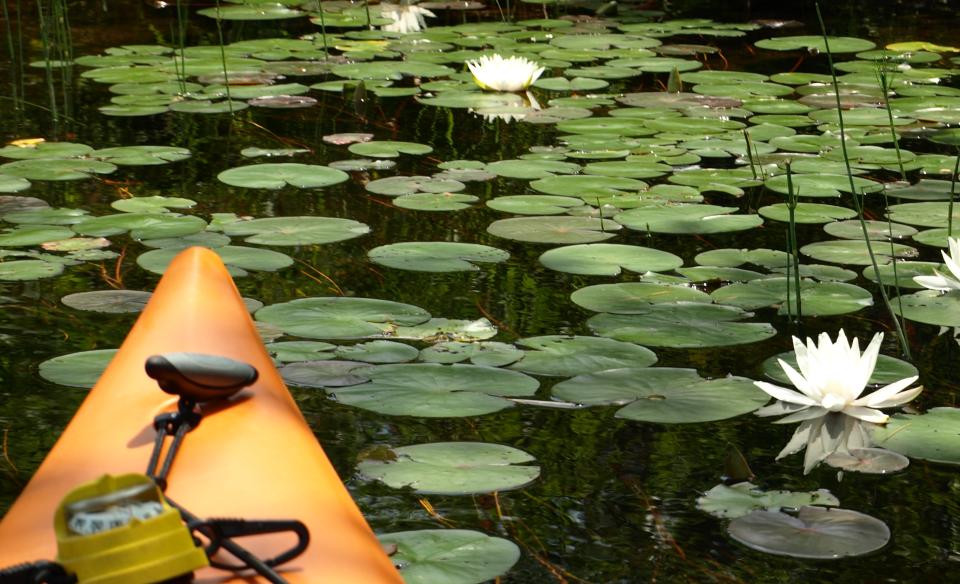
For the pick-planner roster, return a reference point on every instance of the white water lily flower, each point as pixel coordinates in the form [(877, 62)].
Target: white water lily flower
[(939, 281), (406, 17), (827, 401), (499, 74)]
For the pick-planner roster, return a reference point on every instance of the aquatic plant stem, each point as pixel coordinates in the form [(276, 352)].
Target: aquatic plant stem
[(223, 59), (16, 64), (857, 204), (323, 30), (884, 87), (794, 247), (953, 190), (47, 57)]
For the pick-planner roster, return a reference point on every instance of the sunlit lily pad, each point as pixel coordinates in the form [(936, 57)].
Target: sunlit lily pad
[(452, 468), (868, 461), (856, 252), (924, 214), (682, 325), (924, 190), (141, 225), (633, 297), (13, 184), (806, 212), (56, 168), (294, 351), (435, 201), (584, 185), (566, 356), (531, 169), (930, 307), (450, 555), (436, 256), (341, 317), (534, 204), (434, 391), (559, 230), (393, 186), (608, 259), (876, 230), (111, 301), (279, 175), (33, 235), (817, 298), (742, 498), (388, 149), (447, 329), (23, 270), (816, 44), (47, 216), (256, 11), (81, 369), (141, 155), (687, 219), (488, 353), (663, 395), (888, 369), (933, 436), (905, 271), (821, 185), (815, 533), (239, 259), (732, 181), (296, 230), (154, 204), (324, 373), (377, 352)]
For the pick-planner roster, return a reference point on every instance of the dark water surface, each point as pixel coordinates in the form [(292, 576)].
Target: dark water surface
[(615, 501)]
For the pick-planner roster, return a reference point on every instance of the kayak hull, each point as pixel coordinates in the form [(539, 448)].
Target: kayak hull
[(253, 457)]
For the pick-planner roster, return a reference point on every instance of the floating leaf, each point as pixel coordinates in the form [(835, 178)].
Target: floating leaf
[(33, 235), (450, 555), (868, 461), (22, 270), (293, 351), (154, 204), (141, 155), (816, 44), (296, 230), (56, 168), (434, 391), (565, 356), (389, 149), (452, 468), (341, 317), (238, 258), (818, 298), (81, 369), (608, 259), (687, 219), (279, 175), (560, 230), (664, 395), (742, 498), (815, 533), (633, 297), (110, 301), (141, 225), (436, 256), (325, 373), (490, 354)]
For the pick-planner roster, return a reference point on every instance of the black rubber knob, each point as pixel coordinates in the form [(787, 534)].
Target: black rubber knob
[(200, 377)]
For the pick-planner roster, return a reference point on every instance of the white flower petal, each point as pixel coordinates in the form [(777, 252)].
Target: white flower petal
[(800, 437), (799, 381), (866, 414), (784, 394), (779, 408), (889, 395)]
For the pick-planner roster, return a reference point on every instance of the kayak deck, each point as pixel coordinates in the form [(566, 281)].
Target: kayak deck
[(253, 457)]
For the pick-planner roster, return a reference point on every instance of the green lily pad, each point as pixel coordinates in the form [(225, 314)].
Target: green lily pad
[(816, 44), (389, 149), (724, 180), (109, 301), (77, 369), (450, 555), (924, 190), (239, 259), (558, 230), (254, 152), (434, 391), (806, 213), (295, 351), (46, 216), (256, 11), (154, 204), (489, 353), (534, 204), (868, 460), (141, 225), (378, 352), (608, 259), (687, 219), (876, 230), (575, 84), (296, 230), (204, 238), (933, 436), (663, 395), (888, 369), (929, 307), (279, 175), (325, 374), (818, 298), (436, 256), (341, 317), (56, 168), (584, 185), (731, 258), (682, 325), (33, 235), (447, 329), (565, 356), (452, 468), (24, 270), (435, 201), (633, 297), (141, 155), (531, 169), (473, 99), (394, 186), (13, 184), (906, 270), (742, 498), (855, 252), (924, 214), (821, 185), (816, 533)]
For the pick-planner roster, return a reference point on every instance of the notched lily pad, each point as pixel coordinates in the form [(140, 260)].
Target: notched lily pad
[(450, 555), (742, 498), (436, 256), (81, 369)]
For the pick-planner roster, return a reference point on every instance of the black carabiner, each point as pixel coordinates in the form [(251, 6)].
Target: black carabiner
[(217, 530)]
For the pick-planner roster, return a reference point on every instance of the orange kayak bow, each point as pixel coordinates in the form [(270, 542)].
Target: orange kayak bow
[(255, 458)]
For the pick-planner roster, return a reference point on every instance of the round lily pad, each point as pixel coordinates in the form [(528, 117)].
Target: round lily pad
[(742, 498), (816, 533), (436, 256), (817, 298), (433, 390), (928, 214), (930, 307), (933, 436), (33, 235), (633, 297), (296, 230), (435, 201), (534, 204), (111, 301), (378, 352), (388, 149), (876, 230), (559, 230), (608, 259), (816, 44), (324, 373), (141, 225), (821, 185), (806, 213), (238, 258), (293, 351), (687, 219), (279, 175), (489, 353), (47, 216), (585, 185), (531, 169), (154, 204), (77, 369), (450, 555), (664, 395), (682, 325), (404, 185), (452, 468), (855, 252), (56, 168), (565, 356), (13, 184), (341, 317), (868, 461), (23, 270), (141, 155), (905, 272)]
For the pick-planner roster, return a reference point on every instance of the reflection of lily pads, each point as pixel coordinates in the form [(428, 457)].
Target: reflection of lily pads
[(563, 356), (933, 436), (77, 369), (112, 301), (815, 533), (665, 395), (742, 498), (296, 230), (279, 175), (608, 259), (450, 555), (435, 391), (341, 317), (452, 468), (436, 256), (682, 325)]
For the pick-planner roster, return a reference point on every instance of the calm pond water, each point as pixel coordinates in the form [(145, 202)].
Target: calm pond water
[(616, 499)]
